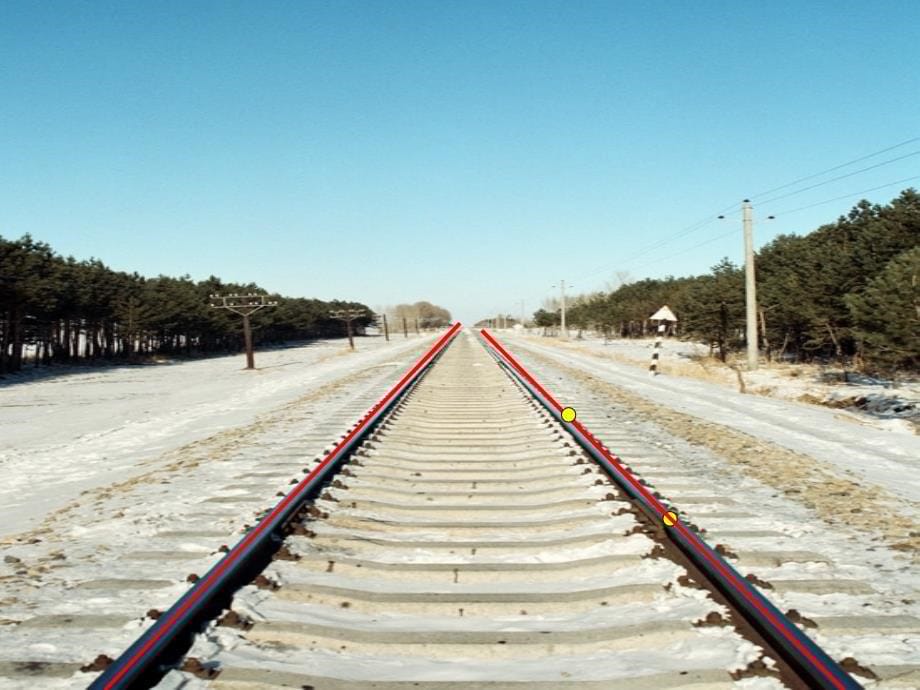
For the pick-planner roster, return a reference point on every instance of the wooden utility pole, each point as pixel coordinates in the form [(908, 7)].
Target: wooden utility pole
[(405, 327), (245, 306), (416, 326), (386, 330), (348, 315)]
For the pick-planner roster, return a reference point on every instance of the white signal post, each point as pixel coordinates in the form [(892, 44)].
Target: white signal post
[(663, 316)]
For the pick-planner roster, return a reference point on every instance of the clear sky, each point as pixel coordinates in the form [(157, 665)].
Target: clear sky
[(467, 153)]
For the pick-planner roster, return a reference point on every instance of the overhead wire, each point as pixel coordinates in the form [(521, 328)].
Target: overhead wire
[(846, 196), (704, 222), (840, 177), (688, 230), (836, 167), (731, 232)]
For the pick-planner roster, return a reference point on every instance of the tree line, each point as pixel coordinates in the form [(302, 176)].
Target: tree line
[(420, 314), (848, 291), (59, 309)]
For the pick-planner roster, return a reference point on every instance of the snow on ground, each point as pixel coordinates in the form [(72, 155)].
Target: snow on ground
[(872, 454), (878, 582), (253, 430), (60, 435), (865, 400), (80, 584)]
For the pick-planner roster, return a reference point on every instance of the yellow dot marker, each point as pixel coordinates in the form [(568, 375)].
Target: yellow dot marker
[(568, 414), (670, 518)]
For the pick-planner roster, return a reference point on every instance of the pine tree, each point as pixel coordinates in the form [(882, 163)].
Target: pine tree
[(886, 315), (713, 309)]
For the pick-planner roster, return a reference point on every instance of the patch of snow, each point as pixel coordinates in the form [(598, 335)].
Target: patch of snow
[(61, 435), (872, 454)]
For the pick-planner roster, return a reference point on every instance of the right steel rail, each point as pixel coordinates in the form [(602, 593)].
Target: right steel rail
[(796, 648)]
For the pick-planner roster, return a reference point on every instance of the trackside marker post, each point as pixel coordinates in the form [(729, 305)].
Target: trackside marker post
[(133, 661), (811, 659), (653, 367), (663, 316)]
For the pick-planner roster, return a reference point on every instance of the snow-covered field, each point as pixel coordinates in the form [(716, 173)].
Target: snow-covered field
[(794, 507), (115, 483), (841, 438), (198, 450), (60, 435), (884, 404)]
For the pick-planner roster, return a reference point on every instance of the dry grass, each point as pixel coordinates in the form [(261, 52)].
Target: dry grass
[(701, 368)]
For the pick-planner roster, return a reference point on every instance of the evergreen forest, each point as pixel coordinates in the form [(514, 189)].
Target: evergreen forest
[(55, 309)]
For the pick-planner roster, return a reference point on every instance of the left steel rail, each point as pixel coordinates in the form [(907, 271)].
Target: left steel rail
[(141, 664)]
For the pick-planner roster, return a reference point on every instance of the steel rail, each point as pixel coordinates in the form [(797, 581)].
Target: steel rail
[(801, 652), (143, 660)]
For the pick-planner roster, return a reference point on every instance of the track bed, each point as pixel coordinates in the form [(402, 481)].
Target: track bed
[(470, 544)]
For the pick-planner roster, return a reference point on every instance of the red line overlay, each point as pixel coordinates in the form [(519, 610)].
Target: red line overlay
[(234, 555), (692, 540)]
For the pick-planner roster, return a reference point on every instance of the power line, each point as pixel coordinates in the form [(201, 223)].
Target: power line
[(660, 259), (847, 196), (840, 177), (704, 222), (245, 306), (801, 208), (699, 225), (690, 229), (348, 315), (836, 167)]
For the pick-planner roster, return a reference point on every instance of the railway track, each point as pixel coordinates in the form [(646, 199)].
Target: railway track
[(473, 530), (471, 542)]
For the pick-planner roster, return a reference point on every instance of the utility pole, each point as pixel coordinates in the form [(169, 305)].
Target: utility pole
[(348, 315), (563, 331), (750, 286), (405, 327), (386, 330), (245, 306), (417, 332)]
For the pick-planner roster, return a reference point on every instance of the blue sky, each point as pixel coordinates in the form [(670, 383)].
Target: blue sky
[(468, 153)]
